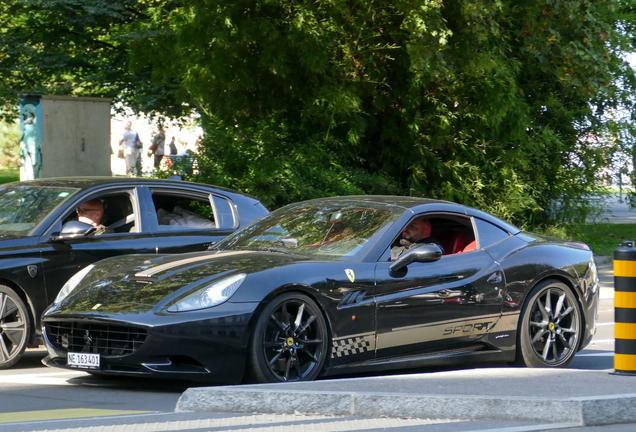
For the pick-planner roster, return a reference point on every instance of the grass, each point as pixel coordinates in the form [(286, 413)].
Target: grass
[(603, 238), (9, 175)]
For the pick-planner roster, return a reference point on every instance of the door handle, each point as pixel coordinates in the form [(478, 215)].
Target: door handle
[(495, 278)]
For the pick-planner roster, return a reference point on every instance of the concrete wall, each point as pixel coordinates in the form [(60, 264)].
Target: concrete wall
[(75, 136)]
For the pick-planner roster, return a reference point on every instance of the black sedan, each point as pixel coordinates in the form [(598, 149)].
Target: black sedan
[(311, 290), (43, 244)]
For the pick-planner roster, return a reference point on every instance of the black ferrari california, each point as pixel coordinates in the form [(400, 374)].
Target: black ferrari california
[(329, 286)]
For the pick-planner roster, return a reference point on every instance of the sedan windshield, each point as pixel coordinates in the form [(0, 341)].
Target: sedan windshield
[(330, 230), (23, 207)]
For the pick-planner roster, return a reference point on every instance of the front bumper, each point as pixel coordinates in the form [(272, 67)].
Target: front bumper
[(203, 349)]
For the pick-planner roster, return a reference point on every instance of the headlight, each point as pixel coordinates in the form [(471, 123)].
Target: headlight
[(212, 295), (72, 283)]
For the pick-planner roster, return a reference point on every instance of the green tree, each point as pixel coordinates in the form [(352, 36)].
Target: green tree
[(493, 103)]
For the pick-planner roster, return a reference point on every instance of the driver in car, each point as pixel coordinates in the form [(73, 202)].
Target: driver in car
[(91, 213), (416, 232)]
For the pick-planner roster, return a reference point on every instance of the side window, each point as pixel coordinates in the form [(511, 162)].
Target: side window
[(114, 211), (177, 211), (454, 234), (489, 233)]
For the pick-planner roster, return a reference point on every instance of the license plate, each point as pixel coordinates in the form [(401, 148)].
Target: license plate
[(84, 361)]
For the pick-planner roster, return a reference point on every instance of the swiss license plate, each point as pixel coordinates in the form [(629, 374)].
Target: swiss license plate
[(83, 360)]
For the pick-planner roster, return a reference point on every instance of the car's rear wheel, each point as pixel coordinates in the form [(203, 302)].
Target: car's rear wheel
[(289, 342), (14, 327), (549, 327)]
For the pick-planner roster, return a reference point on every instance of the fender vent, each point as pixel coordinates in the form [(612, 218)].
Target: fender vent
[(353, 297)]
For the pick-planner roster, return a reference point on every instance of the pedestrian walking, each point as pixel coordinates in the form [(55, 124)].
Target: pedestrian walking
[(157, 146), (130, 143)]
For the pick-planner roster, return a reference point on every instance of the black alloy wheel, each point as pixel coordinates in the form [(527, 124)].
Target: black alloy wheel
[(550, 326), (290, 341), (14, 327)]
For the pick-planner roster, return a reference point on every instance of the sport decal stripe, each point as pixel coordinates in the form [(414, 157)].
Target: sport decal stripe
[(625, 268), (174, 264), (624, 331), (479, 325), (72, 413), (625, 362), (624, 300)]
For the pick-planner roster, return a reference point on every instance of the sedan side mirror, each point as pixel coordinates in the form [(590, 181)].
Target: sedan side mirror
[(73, 230), (423, 253)]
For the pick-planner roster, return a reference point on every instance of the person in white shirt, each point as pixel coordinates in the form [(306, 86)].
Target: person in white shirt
[(131, 152)]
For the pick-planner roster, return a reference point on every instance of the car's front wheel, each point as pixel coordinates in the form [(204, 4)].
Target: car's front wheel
[(14, 327), (549, 327), (289, 342)]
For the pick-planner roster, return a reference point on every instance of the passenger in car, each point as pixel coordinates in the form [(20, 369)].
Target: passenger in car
[(91, 213), (416, 232)]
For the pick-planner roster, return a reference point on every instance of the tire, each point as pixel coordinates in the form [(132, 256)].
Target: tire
[(549, 327), (14, 327), (289, 341)]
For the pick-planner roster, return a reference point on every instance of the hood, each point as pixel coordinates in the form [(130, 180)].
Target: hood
[(139, 283)]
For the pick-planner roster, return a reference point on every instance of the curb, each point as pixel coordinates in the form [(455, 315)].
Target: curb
[(584, 411)]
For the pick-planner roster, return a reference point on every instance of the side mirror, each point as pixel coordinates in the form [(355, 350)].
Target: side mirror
[(423, 253), (73, 230)]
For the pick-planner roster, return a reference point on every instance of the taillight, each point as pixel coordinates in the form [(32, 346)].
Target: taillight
[(578, 245)]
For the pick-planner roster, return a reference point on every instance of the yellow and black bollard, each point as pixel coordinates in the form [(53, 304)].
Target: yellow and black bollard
[(625, 308)]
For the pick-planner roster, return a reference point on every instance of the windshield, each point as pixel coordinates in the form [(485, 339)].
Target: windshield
[(330, 230), (23, 207)]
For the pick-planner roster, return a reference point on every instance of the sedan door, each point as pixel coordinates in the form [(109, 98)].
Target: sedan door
[(435, 306), (62, 259)]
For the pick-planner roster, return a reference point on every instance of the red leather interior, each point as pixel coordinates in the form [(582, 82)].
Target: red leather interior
[(470, 246)]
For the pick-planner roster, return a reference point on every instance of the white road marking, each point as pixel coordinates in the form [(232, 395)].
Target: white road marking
[(603, 354), (59, 378), (601, 341), (604, 324)]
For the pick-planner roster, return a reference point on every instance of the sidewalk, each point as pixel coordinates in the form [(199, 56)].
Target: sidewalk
[(574, 396)]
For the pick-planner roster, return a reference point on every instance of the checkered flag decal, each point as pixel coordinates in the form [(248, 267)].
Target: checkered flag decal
[(351, 345)]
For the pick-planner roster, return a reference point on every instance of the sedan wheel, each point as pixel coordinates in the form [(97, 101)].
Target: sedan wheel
[(14, 327), (290, 341), (550, 327)]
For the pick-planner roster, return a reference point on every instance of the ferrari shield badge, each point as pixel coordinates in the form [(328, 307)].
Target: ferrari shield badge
[(350, 274), (33, 270)]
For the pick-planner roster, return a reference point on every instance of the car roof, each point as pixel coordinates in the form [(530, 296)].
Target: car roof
[(88, 182), (406, 202)]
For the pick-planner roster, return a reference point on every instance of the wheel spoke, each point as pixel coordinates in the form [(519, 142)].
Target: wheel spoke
[(310, 355), (3, 301), (544, 313), (271, 345), (542, 324), (299, 317), (548, 301), (569, 330), (307, 324), (285, 315), (311, 341), (279, 324), (565, 341), (538, 335), (4, 352), (546, 349), (564, 314), (275, 358), (559, 305), (287, 366)]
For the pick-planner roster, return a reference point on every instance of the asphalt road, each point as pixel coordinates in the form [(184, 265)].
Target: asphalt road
[(34, 397)]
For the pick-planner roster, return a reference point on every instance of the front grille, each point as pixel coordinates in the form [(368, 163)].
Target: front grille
[(104, 339)]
